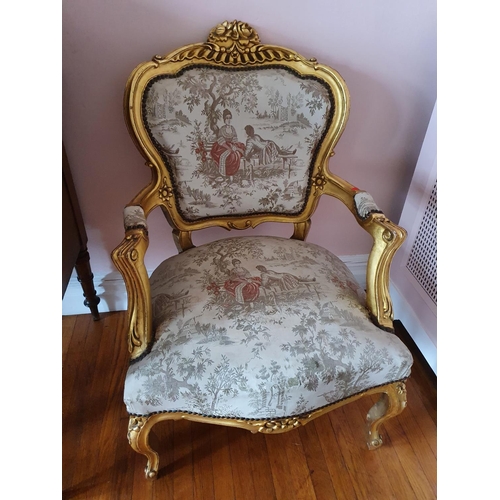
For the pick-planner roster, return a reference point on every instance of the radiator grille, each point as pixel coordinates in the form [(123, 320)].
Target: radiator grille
[(422, 262)]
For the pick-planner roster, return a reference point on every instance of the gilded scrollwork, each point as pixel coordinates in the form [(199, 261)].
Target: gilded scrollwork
[(388, 235), (138, 438), (128, 258), (135, 425), (243, 225), (284, 424), (401, 392)]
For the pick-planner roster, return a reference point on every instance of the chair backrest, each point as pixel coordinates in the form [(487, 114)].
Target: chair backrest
[(236, 132)]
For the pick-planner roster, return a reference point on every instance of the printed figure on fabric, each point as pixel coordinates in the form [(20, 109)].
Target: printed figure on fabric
[(267, 151), (285, 281), (227, 151), (246, 288), (241, 284)]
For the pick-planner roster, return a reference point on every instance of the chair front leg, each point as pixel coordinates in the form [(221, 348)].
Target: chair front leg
[(391, 403), (138, 437)]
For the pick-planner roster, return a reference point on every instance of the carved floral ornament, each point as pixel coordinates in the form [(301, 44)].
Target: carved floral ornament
[(233, 42), (166, 192), (319, 182), (234, 36)]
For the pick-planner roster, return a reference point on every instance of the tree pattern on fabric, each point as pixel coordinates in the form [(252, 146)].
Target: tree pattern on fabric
[(233, 137), (270, 327)]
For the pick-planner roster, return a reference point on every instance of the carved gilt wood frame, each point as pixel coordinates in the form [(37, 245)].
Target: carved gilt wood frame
[(237, 45)]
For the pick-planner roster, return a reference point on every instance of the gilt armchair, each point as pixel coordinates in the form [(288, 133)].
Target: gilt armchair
[(259, 332)]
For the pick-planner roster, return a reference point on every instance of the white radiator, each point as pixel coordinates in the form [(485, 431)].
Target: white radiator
[(414, 270)]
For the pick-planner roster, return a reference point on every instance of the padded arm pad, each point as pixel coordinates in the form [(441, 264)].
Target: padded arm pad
[(365, 205), (133, 218)]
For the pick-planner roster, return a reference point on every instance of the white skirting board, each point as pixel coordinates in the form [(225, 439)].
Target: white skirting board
[(111, 290), (405, 313)]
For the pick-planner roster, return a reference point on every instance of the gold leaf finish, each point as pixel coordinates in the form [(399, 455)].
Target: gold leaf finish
[(282, 425), (128, 257), (236, 45), (235, 36)]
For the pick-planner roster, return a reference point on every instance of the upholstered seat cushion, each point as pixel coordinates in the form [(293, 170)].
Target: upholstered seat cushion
[(259, 327)]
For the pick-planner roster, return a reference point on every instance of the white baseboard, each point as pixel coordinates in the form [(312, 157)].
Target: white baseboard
[(404, 313), (111, 289)]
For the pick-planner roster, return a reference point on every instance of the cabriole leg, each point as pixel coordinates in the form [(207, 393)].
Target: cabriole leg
[(138, 434), (391, 403)]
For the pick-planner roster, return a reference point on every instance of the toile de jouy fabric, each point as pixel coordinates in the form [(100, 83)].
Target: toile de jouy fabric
[(259, 327), (238, 142), (365, 204), (133, 216)]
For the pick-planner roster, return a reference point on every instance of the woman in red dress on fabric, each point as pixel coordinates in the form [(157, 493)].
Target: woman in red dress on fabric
[(241, 284), (227, 151)]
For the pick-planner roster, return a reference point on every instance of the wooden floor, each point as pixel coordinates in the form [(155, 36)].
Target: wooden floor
[(326, 459)]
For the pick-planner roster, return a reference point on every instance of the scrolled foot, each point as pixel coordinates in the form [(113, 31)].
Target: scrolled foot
[(374, 442), (390, 404), (138, 434), (150, 473)]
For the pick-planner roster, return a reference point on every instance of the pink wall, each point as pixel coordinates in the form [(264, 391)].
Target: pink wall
[(384, 49)]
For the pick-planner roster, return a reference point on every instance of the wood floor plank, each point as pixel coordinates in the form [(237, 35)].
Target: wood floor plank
[(320, 475), (243, 480), (162, 440), (364, 467), (280, 469), (115, 480), (73, 404), (425, 421), (89, 387), (396, 437), (182, 471), (261, 468), (221, 463), (142, 487), (68, 326), (299, 472), (110, 420), (202, 463), (419, 443), (335, 462)]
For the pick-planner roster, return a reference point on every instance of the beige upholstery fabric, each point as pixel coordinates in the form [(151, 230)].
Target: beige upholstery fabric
[(365, 204), (255, 152), (133, 217), (259, 327)]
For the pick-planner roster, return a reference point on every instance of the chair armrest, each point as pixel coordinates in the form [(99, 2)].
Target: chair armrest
[(134, 218), (128, 257), (387, 238)]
